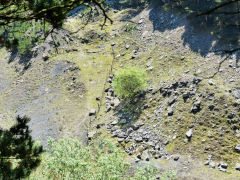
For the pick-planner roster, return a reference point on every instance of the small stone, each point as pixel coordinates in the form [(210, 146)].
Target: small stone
[(116, 102), (140, 21), (134, 56), (176, 158), (123, 121), (236, 94), (150, 68), (98, 98), (145, 156), (237, 167), (139, 139), (91, 134), (127, 46), (223, 165), (212, 165), (120, 140), (166, 142), (211, 107), (45, 57), (189, 133), (196, 107), (113, 44), (149, 64), (92, 112), (210, 82), (137, 126), (108, 108), (114, 123), (207, 163), (237, 148), (170, 111)]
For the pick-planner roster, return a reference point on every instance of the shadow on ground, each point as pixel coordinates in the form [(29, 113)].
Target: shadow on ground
[(129, 111), (217, 32)]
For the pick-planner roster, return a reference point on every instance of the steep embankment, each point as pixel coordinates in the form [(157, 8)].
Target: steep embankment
[(189, 112)]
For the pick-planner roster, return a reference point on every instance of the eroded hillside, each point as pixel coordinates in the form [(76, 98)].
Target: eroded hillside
[(189, 113)]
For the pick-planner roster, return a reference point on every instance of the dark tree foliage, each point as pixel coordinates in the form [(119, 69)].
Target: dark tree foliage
[(18, 153), (53, 11), (17, 17)]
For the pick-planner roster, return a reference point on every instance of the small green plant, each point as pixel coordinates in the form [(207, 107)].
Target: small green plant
[(168, 175), (130, 27), (129, 81), (147, 172)]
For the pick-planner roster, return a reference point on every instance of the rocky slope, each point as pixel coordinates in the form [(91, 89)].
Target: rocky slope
[(187, 120)]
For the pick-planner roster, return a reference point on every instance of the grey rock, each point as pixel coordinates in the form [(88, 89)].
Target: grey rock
[(186, 95), (166, 142), (157, 155), (149, 64), (212, 165), (150, 68), (115, 133), (92, 112), (123, 121), (146, 156), (176, 158), (91, 134), (237, 167), (170, 111), (237, 148), (114, 123), (129, 130), (172, 100), (140, 21), (236, 94), (196, 107), (207, 163), (108, 108), (210, 82), (137, 126), (127, 46), (45, 57), (151, 143), (120, 140), (189, 133), (134, 56), (116, 102), (138, 139), (121, 134), (223, 165)]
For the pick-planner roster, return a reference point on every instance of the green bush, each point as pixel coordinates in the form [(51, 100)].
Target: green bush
[(128, 82), (68, 159)]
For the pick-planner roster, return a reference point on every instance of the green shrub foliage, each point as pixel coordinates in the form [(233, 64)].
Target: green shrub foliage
[(128, 82), (101, 160), (68, 159)]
